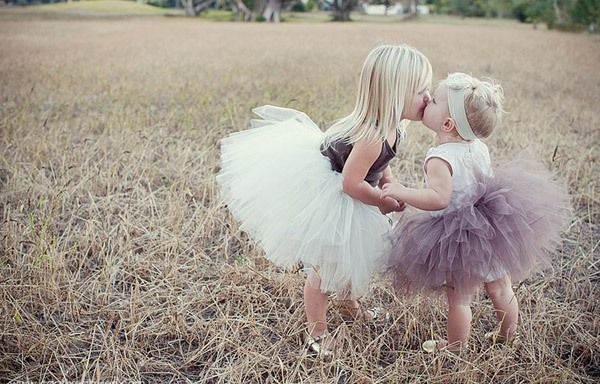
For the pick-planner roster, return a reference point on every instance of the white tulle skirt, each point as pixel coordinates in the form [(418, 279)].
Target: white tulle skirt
[(283, 192)]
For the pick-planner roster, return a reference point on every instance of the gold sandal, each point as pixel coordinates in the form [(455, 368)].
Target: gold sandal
[(349, 313), (496, 338), (314, 344), (376, 313), (431, 346)]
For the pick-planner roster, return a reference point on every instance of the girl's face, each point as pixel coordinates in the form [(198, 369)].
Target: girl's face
[(417, 105), (437, 110)]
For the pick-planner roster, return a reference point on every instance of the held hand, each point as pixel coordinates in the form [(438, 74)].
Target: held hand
[(393, 190), (386, 180), (401, 206), (389, 205)]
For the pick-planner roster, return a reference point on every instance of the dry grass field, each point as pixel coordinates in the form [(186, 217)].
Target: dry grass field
[(120, 264)]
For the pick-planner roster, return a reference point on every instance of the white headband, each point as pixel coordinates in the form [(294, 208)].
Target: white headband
[(458, 84)]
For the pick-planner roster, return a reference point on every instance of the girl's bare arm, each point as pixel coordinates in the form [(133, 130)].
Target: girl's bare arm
[(363, 155), (435, 197)]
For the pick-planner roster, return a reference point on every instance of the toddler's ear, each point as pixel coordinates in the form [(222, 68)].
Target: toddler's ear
[(448, 125)]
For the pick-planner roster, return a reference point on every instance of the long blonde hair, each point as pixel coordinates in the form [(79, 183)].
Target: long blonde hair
[(390, 77)]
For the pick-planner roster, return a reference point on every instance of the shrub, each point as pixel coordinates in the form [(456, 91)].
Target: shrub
[(569, 27), (298, 7)]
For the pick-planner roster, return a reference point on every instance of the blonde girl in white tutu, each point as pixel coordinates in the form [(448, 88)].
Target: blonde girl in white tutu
[(313, 197)]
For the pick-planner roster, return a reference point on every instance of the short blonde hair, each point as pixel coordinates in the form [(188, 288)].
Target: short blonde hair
[(390, 76), (484, 106)]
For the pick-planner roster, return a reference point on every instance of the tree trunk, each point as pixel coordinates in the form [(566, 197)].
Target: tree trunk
[(557, 13), (204, 5), (195, 10), (240, 8), (410, 7), (188, 7), (342, 8), (272, 12)]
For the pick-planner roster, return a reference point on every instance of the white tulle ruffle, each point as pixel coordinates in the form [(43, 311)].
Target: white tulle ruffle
[(282, 190)]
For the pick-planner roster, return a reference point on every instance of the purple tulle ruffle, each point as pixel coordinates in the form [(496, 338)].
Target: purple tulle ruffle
[(509, 227)]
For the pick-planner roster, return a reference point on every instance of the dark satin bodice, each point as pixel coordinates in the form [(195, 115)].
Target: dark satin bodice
[(339, 151)]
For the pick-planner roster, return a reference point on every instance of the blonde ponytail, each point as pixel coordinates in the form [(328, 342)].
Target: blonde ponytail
[(484, 106)]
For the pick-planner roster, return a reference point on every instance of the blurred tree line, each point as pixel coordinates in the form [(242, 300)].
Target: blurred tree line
[(560, 14)]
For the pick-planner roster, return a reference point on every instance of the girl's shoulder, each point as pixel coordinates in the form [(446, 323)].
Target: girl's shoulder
[(480, 146), (447, 150), (458, 149)]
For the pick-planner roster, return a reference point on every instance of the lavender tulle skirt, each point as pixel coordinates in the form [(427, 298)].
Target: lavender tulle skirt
[(510, 227)]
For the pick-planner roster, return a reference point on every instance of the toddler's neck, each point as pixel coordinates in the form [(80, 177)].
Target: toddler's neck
[(444, 139)]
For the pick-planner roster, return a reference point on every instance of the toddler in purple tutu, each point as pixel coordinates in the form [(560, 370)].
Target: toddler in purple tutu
[(477, 225)]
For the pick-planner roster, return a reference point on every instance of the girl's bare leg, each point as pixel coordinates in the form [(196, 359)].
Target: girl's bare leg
[(505, 304), (315, 304), (459, 319)]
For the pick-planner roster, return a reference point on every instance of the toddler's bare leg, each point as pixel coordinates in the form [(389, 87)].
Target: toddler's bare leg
[(347, 306), (459, 319), (505, 304)]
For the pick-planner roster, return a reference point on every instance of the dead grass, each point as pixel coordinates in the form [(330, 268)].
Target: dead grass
[(86, 9), (118, 262)]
